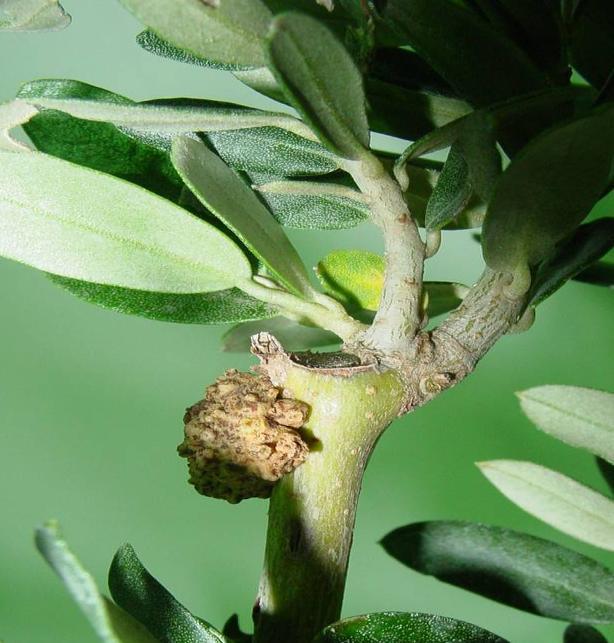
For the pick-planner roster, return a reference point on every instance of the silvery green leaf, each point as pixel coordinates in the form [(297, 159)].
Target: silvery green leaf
[(12, 115), (582, 417), (32, 15), (152, 43), (79, 223), (229, 32), (556, 499), (219, 188), (321, 80), (110, 622)]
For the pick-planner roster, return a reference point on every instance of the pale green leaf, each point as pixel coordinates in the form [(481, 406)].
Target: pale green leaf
[(32, 15), (12, 115), (79, 223), (292, 335), (582, 417), (229, 32), (556, 499), (516, 569), (111, 623), (219, 188), (547, 190), (321, 80)]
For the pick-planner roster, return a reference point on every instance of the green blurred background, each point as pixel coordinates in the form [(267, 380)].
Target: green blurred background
[(91, 405)]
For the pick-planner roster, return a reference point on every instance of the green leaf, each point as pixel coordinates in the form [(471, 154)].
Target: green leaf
[(12, 115), (293, 336), (582, 417), (97, 145), (79, 223), (310, 205), (273, 151), (600, 273), (152, 43), (321, 81), (111, 623), (140, 594), (220, 307), (219, 188), (592, 40), (455, 42), (607, 471), (230, 32), (403, 627), (523, 571), (233, 632), (547, 190), (583, 634), (33, 15), (556, 499), (588, 243)]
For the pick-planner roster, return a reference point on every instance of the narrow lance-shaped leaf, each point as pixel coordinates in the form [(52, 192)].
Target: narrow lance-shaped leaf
[(600, 273), (141, 595), (12, 115), (219, 188), (517, 569), (575, 258), (82, 224), (547, 190), (230, 32), (321, 80), (32, 15), (111, 623), (402, 627), (582, 417), (219, 307), (556, 499), (152, 43)]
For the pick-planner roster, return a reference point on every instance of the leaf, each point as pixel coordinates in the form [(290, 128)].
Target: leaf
[(321, 81), (33, 15), (607, 471), (230, 32), (310, 205), (592, 40), (572, 259), (582, 417), (140, 594), (12, 115), (274, 151), (513, 568), (233, 632), (583, 634), (455, 43), (153, 44), (547, 190), (97, 145), (293, 336), (231, 200), (220, 307), (556, 499), (79, 223), (402, 627), (111, 623), (600, 273)]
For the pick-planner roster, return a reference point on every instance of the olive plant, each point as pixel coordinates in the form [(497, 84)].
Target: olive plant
[(174, 209)]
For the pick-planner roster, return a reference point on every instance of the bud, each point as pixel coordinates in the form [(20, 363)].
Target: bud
[(242, 437)]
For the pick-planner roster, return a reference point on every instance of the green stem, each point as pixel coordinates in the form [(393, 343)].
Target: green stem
[(312, 512)]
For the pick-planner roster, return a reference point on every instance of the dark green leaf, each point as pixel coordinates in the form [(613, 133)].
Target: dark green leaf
[(274, 151), (293, 336), (583, 634), (32, 15), (222, 306), (401, 627), (230, 33), (547, 190), (111, 623), (457, 43), (321, 80), (607, 471), (100, 146), (529, 573), (233, 632), (588, 243), (592, 40), (600, 273), (79, 223), (219, 188), (140, 594)]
